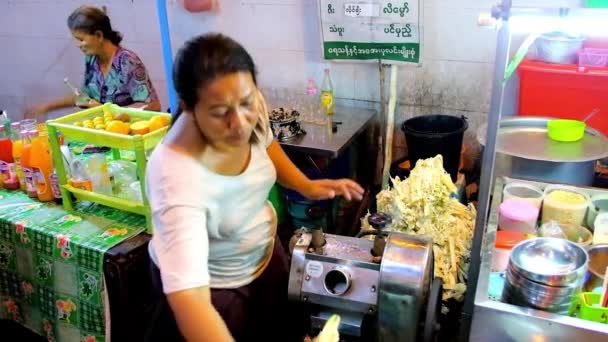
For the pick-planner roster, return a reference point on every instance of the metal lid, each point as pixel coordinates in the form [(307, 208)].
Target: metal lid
[(526, 137)]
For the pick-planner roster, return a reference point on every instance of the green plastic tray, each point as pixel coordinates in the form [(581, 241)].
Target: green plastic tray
[(65, 125)]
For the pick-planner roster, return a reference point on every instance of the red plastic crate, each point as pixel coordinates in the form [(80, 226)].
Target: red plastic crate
[(564, 91)]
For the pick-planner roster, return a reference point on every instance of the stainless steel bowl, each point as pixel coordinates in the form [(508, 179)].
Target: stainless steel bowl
[(575, 282), (598, 261), (533, 287), (517, 297), (548, 301), (517, 300), (539, 298), (550, 261)]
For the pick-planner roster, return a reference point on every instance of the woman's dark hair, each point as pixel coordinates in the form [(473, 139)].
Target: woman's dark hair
[(91, 19), (204, 58)]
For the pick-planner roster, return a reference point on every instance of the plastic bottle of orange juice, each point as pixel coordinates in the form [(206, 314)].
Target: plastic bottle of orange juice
[(8, 178), (17, 152), (42, 166), (26, 166)]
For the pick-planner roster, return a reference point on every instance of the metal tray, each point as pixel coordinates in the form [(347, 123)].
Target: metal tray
[(526, 137)]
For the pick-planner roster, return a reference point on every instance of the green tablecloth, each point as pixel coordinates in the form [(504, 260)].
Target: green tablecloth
[(51, 264)]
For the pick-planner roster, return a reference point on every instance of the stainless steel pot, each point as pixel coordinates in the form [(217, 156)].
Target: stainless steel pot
[(598, 261), (575, 173), (523, 150)]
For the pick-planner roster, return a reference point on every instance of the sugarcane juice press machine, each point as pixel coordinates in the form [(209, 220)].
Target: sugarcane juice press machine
[(383, 289)]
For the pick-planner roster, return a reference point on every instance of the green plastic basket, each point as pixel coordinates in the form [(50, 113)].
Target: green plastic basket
[(139, 144), (584, 307)]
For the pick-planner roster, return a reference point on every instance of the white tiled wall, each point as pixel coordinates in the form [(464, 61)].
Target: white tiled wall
[(283, 37), (38, 51)]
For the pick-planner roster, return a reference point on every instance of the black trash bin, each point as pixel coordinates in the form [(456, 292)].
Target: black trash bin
[(429, 135)]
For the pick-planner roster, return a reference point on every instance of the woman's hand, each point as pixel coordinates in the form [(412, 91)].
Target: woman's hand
[(91, 103), (323, 189)]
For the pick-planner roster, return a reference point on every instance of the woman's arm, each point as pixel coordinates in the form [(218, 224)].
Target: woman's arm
[(181, 247), (62, 102), (152, 105), (291, 177), (196, 317), (288, 175)]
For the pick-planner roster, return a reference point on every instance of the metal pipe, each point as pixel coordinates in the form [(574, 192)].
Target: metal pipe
[(487, 173), (165, 38)]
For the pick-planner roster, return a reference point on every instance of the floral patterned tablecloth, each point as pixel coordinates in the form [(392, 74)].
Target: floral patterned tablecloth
[(51, 264)]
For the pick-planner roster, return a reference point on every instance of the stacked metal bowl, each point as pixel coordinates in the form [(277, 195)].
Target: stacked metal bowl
[(545, 274)]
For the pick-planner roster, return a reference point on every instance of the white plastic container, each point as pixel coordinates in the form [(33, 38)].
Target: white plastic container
[(597, 205), (565, 205), (523, 191), (518, 215), (600, 234)]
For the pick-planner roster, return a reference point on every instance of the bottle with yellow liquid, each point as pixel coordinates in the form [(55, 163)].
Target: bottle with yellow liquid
[(327, 94)]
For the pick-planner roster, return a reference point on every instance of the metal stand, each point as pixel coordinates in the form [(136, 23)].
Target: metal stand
[(485, 319), (487, 172)]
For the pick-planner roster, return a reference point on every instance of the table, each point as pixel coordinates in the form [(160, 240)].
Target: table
[(52, 262), (319, 140)]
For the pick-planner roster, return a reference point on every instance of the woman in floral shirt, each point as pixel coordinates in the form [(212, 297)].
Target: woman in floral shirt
[(112, 73)]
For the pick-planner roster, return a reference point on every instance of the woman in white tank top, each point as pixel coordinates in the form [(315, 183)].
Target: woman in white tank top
[(220, 272)]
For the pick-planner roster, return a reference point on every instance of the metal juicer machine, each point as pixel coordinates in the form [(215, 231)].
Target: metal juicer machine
[(383, 289)]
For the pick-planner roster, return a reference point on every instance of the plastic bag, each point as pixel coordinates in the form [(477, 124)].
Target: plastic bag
[(122, 173), (552, 229)]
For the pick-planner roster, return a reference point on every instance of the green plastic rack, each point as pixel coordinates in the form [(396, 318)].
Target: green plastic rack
[(139, 144)]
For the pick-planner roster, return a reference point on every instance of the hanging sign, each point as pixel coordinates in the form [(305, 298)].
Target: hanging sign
[(383, 30)]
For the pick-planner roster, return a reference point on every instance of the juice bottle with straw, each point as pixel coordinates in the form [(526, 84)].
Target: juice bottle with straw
[(8, 177), (28, 175), (42, 166), (17, 153)]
